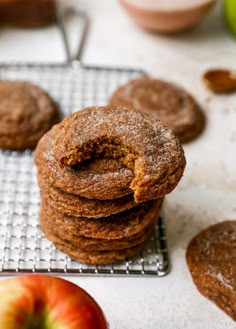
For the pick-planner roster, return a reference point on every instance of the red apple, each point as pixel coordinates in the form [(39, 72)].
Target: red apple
[(47, 302)]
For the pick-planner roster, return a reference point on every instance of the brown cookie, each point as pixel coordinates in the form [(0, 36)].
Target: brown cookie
[(74, 205), (26, 113), (139, 141), (91, 244), (95, 257), (101, 179), (27, 13), (211, 258), (166, 101), (119, 226)]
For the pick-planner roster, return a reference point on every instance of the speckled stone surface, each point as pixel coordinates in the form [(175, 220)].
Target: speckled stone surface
[(207, 192)]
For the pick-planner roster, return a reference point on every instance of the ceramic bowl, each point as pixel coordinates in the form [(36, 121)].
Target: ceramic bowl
[(167, 16)]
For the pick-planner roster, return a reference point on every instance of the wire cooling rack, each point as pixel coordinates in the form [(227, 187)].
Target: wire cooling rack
[(23, 247)]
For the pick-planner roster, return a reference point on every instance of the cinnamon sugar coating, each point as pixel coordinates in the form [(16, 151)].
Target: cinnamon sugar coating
[(171, 104), (211, 258), (139, 141)]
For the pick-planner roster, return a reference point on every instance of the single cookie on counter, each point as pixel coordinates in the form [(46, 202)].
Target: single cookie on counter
[(167, 101), (26, 113), (27, 13), (100, 179), (211, 258), (139, 141)]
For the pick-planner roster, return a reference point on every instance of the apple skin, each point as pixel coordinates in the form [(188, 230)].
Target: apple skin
[(47, 302)]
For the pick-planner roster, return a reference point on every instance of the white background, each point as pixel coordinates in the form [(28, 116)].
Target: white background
[(207, 192)]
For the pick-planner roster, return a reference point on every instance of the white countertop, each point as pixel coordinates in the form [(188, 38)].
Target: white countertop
[(207, 192)]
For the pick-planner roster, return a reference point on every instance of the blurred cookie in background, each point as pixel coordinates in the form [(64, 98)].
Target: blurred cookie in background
[(168, 102), (27, 13), (26, 113)]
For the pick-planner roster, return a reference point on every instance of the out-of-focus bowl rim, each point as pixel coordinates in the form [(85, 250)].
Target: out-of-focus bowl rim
[(166, 10), (167, 21)]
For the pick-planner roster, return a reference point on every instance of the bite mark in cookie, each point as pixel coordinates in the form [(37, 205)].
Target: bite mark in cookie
[(139, 141)]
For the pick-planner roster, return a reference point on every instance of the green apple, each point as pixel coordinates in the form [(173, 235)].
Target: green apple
[(47, 302), (230, 15)]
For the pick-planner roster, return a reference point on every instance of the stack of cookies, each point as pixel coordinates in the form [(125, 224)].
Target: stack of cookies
[(103, 173)]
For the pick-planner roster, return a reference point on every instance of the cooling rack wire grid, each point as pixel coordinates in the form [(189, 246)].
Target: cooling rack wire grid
[(23, 247)]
